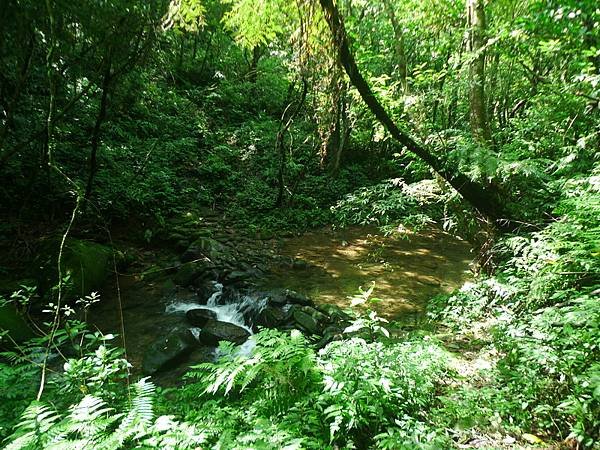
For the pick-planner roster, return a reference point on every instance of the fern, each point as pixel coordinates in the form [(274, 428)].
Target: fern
[(31, 431), (280, 368), (92, 424)]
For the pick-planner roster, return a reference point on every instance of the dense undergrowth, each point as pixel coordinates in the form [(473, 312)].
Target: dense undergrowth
[(538, 315), (198, 121)]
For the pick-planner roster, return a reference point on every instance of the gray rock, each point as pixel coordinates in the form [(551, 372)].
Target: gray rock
[(330, 334), (315, 314), (189, 272), (198, 317), (204, 247), (215, 331), (335, 313), (300, 264), (205, 289), (271, 317), (280, 297), (167, 350), (237, 277)]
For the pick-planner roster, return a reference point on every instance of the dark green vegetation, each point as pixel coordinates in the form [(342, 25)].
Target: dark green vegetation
[(136, 134)]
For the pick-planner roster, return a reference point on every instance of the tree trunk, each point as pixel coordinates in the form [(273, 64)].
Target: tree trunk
[(476, 47), (484, 199), (253, 72), (280, 139), (96, 132), (399, 47), (344, 128)]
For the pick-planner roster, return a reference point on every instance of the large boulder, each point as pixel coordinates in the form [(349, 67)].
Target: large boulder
[(14, 324), (215, 331), (167, 350), (205, 247), (198, 317), (87, 264)]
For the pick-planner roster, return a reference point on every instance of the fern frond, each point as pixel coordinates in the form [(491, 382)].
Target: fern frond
[(138, 420), (35, 422)]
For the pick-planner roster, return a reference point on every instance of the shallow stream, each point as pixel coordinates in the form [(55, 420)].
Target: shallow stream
[(328, 266), (407, 268)]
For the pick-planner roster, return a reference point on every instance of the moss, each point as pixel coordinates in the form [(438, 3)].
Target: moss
[(88, 265), (14, 323)]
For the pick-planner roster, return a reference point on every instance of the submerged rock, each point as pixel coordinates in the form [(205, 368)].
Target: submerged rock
[(167, 350), (200, 316), (215, 331)]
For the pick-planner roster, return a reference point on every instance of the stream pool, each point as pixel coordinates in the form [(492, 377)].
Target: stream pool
[(407, 268)]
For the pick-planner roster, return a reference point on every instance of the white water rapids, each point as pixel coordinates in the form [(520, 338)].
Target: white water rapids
[(232, 312)]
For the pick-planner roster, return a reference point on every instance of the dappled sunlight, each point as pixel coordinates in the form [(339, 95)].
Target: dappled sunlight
[(407, 270)]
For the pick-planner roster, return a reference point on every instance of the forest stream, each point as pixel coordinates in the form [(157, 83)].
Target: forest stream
[(326, 266)]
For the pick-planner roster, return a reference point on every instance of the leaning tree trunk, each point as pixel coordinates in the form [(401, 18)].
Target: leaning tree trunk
[(480, 126), (484, 199)]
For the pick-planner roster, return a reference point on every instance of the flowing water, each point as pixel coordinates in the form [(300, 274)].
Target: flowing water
[(232, 311)]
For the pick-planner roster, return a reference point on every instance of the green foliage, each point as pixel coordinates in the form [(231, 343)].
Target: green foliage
[(391, 202), (280, 368), (196, 96), (284, 394), (92, 424), (542, 310), (367, 386)]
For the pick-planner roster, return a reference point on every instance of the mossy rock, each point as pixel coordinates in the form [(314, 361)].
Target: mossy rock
[(88, 265), (306, 322), (206, 247), (14, 323), (191, 271)]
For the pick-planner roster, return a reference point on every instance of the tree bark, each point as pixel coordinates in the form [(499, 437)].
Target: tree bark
[(279, 141), (399, 47), (253, 72), (476, 46), (96, 132), (482, 198)]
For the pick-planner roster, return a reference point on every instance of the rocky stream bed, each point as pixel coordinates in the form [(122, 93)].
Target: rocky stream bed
[(224, 287)]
